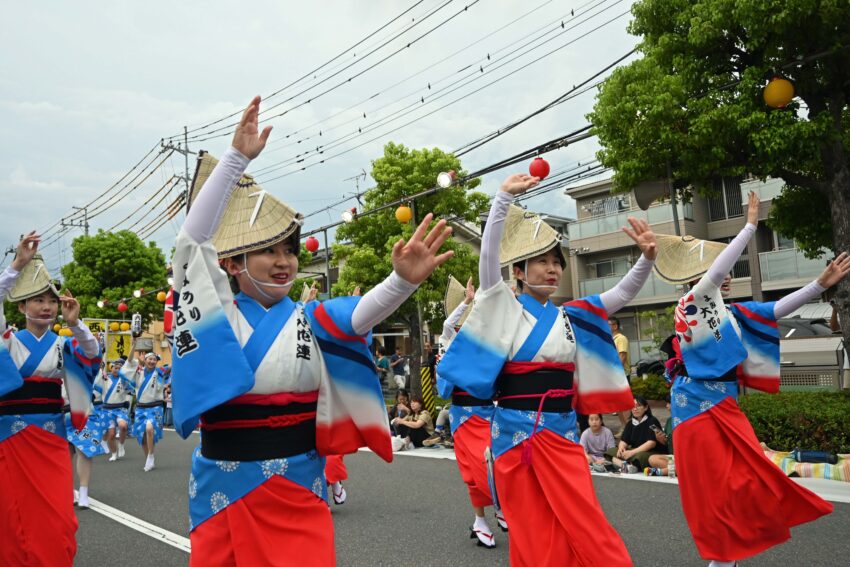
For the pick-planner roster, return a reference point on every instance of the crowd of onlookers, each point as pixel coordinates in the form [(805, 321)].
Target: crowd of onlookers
[(643, 444)]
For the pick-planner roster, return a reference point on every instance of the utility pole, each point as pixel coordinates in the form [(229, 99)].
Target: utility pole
[(182, 149), (84, 223)]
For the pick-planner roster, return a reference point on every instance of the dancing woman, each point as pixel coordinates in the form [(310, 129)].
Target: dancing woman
[(540, 362), (37, 521), (275, 384), (742, 504)]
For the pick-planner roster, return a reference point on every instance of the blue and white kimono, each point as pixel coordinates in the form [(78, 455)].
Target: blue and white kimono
[(148, 386), (115, 399), (228, 347), (88, 439)]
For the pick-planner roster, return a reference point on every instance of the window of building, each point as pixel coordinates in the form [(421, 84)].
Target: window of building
[(782, 242), (727, 202), (606, 268)]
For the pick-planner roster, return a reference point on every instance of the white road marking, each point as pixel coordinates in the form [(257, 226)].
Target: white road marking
[(150, 530)]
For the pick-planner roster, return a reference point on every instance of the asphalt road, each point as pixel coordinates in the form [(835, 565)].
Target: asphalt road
[(414, 511)]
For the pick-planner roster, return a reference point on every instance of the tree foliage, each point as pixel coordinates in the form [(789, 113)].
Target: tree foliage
[(111, 265), (365, 252), (695, 101)]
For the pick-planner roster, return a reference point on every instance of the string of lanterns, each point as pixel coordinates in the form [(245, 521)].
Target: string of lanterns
[(139, 293)]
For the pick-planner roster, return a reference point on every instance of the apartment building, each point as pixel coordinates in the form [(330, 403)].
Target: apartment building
[(600, 253)]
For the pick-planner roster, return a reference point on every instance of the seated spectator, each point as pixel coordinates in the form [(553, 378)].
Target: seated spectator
[(658, 463), (400, 409), (637, 442), (442, 432), (415, 427), (595, 440)]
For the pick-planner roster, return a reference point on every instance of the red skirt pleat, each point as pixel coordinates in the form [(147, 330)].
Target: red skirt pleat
[(736, 501), (335, 470), (552, 510), (37, 521), (278, 523), (471, 439)]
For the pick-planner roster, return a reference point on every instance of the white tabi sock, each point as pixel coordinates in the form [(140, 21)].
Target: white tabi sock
[(481, 525), (84, 492)]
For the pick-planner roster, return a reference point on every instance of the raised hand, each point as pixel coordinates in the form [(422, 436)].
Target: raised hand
[(753, 209), (313, 294), (356, 291), (27, 249), (470, 292), (417, 258), (836, 271), (70, 308), (519, 183), (247, 138), (643, 237)]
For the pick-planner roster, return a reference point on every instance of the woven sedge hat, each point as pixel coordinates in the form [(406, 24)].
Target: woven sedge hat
[(33, 280), (455, 294), (683, 259), (526, 236), (253, 219)]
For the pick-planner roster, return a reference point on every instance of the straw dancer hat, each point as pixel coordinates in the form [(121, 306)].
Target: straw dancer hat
[(455, 294), (682, 259), (33, 280), (253, 219), (526, 236)]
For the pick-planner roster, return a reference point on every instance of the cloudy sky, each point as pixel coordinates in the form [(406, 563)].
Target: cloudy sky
[(87, 89)]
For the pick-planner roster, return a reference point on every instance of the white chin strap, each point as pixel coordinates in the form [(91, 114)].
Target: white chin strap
[(47, 320), (258, 284), (540, 287)]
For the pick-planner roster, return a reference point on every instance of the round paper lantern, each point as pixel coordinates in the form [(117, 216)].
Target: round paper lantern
[(113, 326), (161, 297), (778, 92), (122, 307), (403, 214), (125, 326), (312, 244), (56, 327), (539, 168), (65, 332)]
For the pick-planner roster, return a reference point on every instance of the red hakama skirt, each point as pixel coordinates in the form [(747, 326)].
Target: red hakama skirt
[(471, 439), (736, 501), (552, 509), (278, 523), (335, 470), (37, 521)]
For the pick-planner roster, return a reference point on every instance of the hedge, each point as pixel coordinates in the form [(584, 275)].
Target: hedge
[(808, 420), (653, 387)]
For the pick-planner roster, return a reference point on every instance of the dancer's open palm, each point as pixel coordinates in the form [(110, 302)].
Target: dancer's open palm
[(417, 258), (247, 138)]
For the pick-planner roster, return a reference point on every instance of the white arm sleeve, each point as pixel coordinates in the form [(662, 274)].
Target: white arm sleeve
[(489, 272), (723, 264), (627, 288), (86, 339), (793, 301), (8, 277), (380, 302), (451, 321), (205, 214)]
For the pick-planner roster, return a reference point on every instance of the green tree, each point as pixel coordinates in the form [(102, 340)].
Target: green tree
[(365, 254), (659, 326), (111, 265), (694, 103)]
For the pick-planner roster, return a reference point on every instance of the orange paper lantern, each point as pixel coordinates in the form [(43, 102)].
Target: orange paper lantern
[(161, 297), (113, 326), (778, 92), (403, 214)]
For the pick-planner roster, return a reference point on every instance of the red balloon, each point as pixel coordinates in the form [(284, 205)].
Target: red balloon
[(312, 244), (539, 168), (122, 307)]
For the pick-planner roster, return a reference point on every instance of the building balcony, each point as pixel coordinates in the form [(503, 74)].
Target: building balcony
[(766, 190), (607, 224), (788, 268), (654, 291)]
